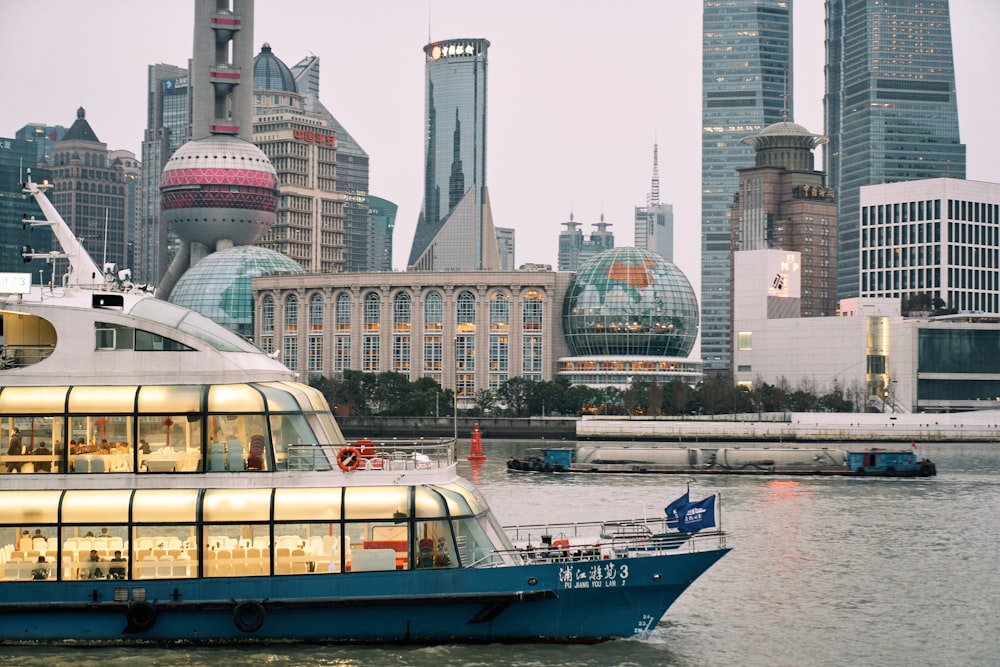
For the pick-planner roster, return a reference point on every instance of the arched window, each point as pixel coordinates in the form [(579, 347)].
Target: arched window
[(466, 311), (433, 311), (499, 312), (316, 312), (373, 314), (343, 312), (532, 310), (267, 315), (291, 313), (401, 312)]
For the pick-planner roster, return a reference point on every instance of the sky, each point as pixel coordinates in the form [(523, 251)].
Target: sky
[(579, 91)]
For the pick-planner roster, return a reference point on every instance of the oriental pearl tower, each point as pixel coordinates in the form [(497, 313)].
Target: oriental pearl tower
[(218, 190)]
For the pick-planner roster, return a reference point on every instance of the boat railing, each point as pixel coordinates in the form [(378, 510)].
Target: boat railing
[(600, 540), (414, 454), (18, 356)]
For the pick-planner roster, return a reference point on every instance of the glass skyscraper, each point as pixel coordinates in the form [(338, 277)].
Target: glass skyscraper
[(746, 86), (455, 228), (891, 109)]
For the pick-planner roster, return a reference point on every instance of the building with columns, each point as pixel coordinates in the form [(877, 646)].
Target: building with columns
[(467, 329)]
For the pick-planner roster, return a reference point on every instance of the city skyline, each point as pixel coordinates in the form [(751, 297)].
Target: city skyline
[(621, 80)]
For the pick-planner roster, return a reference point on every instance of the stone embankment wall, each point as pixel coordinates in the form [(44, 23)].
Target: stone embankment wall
[(535, 428)]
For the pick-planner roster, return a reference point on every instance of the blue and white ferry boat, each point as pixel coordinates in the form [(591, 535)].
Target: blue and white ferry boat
[(163, 480)]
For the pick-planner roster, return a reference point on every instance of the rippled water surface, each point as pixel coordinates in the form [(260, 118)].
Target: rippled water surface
[(824, 571)]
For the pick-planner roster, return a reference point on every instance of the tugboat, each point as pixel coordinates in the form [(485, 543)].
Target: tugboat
[(164, 481)]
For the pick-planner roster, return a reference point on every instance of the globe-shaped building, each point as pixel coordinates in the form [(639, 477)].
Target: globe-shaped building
[(219, 187), (219, 286), (629, 301)]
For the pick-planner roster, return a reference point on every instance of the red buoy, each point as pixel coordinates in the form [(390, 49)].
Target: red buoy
[(477, 445)]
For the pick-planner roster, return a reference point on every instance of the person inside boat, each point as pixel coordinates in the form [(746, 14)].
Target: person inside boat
[(95, 571), (43, 450), (41, 569), (14, 449), (143, 446), (425, 557), (117, 568)]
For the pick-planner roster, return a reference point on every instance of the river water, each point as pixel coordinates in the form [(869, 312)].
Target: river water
[(824, 571)]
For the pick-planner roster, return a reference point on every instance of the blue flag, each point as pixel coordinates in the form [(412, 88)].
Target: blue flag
[(672, 509), (696, 516)]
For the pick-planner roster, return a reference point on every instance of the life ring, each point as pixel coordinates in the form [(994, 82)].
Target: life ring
[(141, 616), (348, 458), (249, 616)]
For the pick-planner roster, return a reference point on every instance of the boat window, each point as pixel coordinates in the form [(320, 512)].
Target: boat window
[(164, 551), (94, 551), (172, 399), (33, 400), (237, 550), (23, 507), (279, 399), (226, 398), (295, 444), (376, 546), (96, 506), (165, 505), (170, 443), (366, 502), (470, 495), (295, 504), (477, 542), (428, 504), (237, 504), (301, 548), (100, 443), (433, 545), (102, 399), (30, 552), (192, 323), (36, 447), (238, 443), (458, 503)]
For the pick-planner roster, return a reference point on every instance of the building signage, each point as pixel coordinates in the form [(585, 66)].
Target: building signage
[(15, 283), (784, 276), (452, 49), (315, 137)]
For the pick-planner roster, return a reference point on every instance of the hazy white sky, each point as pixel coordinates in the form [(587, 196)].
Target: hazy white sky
[(579, 90)]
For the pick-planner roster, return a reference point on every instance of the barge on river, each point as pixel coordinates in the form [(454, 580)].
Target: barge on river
[(872, 462), (165, 481)]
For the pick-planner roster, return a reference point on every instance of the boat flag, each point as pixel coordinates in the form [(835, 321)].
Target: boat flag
[(673, 508), (913, 443), (698, 515)]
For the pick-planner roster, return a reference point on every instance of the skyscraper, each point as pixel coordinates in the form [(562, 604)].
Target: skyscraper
[(169, 115), (455, 228), (654, 222), (890, 107), (746, 86)]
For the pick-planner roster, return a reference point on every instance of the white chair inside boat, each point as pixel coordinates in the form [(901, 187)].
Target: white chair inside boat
[(97, 465), (234, 456), (146, 568), (164, 567), (288, 541), (52, 544), (116, 544), (298, 557), (217, 457), (81, 464), (262, 542), (254, 562), (39, 544), (100, 543), (181, 567), (144, 543), (11, 569)]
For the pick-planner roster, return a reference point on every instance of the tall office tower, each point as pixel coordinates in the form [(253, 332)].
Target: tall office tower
[(16, 156), (309, 225), (132, 177), (352, 176), (44, 138), (90, 192), (505, 246), (782, 204), (381, 223), (890, 106), (455, 228), (746, 86), (654, 222), (168, 112), (575, 249)]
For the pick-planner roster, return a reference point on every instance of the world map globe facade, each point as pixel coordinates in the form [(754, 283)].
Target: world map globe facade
[(630, 302)]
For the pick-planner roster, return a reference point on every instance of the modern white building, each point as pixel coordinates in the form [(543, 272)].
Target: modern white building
[(939, 237), (876, 356)]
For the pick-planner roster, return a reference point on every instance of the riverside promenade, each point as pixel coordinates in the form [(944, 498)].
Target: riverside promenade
[(979, 426)]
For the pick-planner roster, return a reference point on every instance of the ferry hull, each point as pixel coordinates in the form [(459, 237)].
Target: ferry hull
[(572, 601)]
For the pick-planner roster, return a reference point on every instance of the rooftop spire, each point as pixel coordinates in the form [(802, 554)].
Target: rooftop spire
[(654, 193)]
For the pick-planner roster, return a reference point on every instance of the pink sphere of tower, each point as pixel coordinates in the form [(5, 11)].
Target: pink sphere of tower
[(219, 187)]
